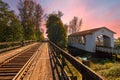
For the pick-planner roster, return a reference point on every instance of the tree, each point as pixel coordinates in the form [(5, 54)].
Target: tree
[(10, 26), (67, 28), (60, 14), (75, 25), (30, 15), (56, 31), (26, 15), (119, 39), (38, 17)]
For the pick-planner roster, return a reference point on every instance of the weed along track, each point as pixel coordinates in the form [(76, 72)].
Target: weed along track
[(10, 68)]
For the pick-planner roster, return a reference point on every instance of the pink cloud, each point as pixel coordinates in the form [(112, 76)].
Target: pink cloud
[(92, 17)]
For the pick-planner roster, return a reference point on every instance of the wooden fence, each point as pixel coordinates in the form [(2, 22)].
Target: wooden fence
[(108, 50), (87, 73)]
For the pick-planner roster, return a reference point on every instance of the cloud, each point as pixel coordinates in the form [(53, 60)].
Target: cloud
[(95, 13)]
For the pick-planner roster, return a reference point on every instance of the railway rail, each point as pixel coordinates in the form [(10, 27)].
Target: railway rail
[(12, 66)]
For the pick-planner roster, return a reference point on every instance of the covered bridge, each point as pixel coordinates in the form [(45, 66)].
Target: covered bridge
[(88, 40)]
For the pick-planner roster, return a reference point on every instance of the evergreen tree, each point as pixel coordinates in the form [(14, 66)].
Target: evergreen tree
[(56, 31)]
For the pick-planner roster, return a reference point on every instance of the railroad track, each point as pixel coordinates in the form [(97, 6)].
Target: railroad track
[(11, 67)]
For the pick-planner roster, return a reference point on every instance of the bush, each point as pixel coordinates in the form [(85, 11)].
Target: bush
[(112, 71), (102, 67)]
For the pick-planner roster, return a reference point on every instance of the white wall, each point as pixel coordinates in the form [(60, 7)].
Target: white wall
[(90, 45)]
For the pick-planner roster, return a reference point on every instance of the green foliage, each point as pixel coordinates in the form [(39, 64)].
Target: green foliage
[(109, 70), (10, 27), (72, 70), (39, 36), (102, 67), (113, 71), (30, 15), (56, 31)]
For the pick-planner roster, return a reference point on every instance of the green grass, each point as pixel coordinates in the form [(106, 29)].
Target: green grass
[(118, 56), (73, 70), (110, 69)]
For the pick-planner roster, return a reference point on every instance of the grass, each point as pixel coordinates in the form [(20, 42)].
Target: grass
[(111, 71), (118, 56), (70, 69), (73, 70), (108, 68)]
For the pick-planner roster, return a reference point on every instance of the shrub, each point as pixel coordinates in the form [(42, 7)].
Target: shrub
[(112, 73), (102, 67)]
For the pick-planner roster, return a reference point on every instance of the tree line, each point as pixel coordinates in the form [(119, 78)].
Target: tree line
[(25, 26)]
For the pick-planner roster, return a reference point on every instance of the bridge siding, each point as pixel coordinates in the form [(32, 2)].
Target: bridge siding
[(90, 38)]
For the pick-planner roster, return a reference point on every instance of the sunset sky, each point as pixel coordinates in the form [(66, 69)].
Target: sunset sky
[(94, 13)]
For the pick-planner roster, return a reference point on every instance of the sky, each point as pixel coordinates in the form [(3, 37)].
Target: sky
[(94, 13)]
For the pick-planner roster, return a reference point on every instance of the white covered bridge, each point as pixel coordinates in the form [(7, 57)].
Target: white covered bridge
[(90, 40)]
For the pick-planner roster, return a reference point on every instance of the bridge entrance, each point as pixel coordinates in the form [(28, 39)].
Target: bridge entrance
[(103, 41), (88, 40)]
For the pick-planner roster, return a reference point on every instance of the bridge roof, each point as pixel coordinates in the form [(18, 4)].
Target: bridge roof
[(90, 31)]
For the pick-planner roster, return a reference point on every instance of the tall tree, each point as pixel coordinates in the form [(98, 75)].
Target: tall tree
[(38, 15), (10, 26), (75, 25), (56, 30), (38, 19), (30, 15)]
